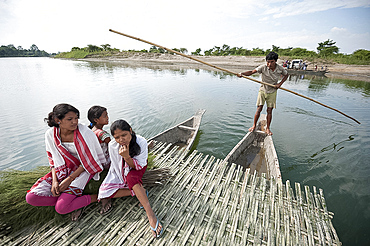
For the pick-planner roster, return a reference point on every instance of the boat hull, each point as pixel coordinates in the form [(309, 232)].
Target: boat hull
[(183, 134), (308, 72), (256, 151)]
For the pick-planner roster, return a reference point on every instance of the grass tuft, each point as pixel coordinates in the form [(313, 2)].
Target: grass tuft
[(15, 212)]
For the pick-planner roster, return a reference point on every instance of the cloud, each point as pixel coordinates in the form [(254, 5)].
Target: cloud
[(283, 8), (58, 26), (349, 42), (338, 30)]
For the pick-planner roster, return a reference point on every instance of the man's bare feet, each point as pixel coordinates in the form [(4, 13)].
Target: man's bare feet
[(251, 129), (106, 205), (268, 132)]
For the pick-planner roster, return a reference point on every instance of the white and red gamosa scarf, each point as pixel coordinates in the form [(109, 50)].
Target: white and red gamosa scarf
[(90, 156)]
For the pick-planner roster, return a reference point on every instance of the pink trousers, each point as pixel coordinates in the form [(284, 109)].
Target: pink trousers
[(64, 204)]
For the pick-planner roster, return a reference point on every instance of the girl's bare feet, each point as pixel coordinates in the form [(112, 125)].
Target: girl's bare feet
[(251, 129), (77, 214), (106, 205)]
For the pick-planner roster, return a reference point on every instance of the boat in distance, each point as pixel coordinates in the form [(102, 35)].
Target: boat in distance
[(182, 134), (307, 72), (256, 151)]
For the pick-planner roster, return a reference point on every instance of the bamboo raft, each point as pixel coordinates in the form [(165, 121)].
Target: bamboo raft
[(206, 202)]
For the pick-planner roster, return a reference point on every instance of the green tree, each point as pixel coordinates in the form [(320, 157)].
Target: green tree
[(361, 54), (257, 52), (176, 49), (184, 50), (153, 49), (197, 52), (225, 50), (11, 51), (161, 50), (243, 52), (106, 47), (285, 52), (34, 47), (299, 52), (93, 48), (275, 49), (327, 48), (208, 52), (216, 51)]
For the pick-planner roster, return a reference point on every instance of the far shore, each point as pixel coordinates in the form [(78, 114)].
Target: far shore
[(232, 63)]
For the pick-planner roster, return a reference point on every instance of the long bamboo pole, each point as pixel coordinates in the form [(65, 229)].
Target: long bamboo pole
[(228, 71)]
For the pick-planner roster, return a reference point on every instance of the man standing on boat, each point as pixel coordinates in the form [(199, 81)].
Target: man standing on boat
[(271, 73)]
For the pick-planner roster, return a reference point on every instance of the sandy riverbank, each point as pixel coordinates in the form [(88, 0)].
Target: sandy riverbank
[(231, 63)]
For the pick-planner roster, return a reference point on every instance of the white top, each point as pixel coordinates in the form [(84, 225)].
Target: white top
[(70, 146), (270, 77)]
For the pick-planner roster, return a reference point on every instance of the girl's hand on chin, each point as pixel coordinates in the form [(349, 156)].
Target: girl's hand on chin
[(124, 151)]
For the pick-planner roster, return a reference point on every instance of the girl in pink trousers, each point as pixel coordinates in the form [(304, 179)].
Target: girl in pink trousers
[(75, 156)]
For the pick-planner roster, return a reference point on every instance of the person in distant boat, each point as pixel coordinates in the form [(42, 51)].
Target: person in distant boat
[(98, 117), (129, 157), (75, 156), (271, 73)]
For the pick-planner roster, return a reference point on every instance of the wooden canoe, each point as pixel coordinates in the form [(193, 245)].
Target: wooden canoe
[(307, 72), (256, 151), (183, 134)]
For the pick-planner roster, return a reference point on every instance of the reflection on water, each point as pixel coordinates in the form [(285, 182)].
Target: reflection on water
[(321, 83), (355, 86), (316, 146), (315, 115)]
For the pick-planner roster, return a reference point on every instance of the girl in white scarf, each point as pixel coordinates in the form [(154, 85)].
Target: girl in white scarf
[(75, 156), (129, 156)]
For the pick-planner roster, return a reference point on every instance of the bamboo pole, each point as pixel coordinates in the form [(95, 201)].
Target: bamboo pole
[(228, 71)]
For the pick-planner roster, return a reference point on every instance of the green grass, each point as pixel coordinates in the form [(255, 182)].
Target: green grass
[(350, 60), (16, 213), (77, 54)]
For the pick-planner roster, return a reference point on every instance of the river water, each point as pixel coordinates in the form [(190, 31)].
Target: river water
[(316, 146)]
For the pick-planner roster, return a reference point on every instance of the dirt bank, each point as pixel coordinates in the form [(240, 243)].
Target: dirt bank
[(232, 63)]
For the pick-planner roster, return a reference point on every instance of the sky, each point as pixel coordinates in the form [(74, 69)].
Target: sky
[(57, 26)]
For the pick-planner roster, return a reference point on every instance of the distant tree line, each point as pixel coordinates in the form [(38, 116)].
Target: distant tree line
[(325, 50), (11, 51), (93, 48)]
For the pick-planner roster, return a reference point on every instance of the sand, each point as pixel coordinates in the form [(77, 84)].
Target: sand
[(232, 63)]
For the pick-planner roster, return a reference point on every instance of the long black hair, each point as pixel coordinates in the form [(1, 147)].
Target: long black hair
[(94, 113), (134, 148), (60, 111)]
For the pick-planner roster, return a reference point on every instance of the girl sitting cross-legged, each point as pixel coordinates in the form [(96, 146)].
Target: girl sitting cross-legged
[(75, 156)]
